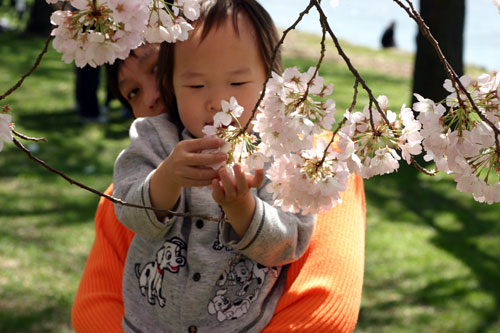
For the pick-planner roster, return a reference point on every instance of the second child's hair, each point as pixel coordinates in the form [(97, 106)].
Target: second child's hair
[(112, 80), (212, 15)]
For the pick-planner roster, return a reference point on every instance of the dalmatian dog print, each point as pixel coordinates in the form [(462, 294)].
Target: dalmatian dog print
[(238, 288), (168, 258), (221, 306)]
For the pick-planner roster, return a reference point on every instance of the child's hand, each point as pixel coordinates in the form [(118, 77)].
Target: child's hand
[(233, 194), (184, 167), (187, 166)]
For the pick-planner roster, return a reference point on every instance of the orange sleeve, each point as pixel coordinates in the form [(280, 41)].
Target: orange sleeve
[(323, 288), (98, 305)]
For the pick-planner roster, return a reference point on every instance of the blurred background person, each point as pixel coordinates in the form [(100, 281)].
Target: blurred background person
[(388, 36)]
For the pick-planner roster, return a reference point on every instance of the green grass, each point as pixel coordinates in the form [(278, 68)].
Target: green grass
[(46, 225), (432, 253)]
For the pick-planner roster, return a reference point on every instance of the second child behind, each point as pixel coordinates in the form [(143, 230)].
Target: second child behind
[(185, 274)]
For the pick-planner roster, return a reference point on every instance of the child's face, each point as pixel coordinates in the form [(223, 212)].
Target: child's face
[(137, 81), (222, 65)]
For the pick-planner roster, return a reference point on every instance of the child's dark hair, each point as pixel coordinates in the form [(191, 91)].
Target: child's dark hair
[(212, 15)]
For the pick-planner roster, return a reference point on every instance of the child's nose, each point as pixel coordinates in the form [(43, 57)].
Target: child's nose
[(152, 97), (214, 100)]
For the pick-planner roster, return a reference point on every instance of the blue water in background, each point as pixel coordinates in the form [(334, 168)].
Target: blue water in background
[(362, 22)]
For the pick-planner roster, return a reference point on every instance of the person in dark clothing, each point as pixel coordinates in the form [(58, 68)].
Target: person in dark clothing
[(388, 36), (86, 86), (87, 102)]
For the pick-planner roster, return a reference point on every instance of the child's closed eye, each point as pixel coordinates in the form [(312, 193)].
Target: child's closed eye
[(238, 83), (196, 86)]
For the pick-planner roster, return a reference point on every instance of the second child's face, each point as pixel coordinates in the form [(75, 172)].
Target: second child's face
[(137, 81), (222, 65)]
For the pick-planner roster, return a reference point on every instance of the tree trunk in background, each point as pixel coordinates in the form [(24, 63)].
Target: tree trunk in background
[(445, 19), (39, 20)]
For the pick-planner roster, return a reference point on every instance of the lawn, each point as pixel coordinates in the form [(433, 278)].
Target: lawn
[(432, 253)]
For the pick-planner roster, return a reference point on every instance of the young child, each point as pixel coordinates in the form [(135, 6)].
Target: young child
[(190, 274), (323, 288)]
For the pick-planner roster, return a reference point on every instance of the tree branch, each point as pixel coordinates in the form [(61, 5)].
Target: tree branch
[(109, 197), (27, 138), (35, 65), (346, 59), (452, 75), (270, 69)]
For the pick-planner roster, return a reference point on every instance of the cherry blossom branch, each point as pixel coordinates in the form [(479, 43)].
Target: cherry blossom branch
[(109, 197), (351, 108), (35, 65), (318, 65), (452, 75), (270, 69), (359, 79), (354, 97), (352, 69)]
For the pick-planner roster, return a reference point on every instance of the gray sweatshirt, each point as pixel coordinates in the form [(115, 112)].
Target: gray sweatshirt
[(189, 274)]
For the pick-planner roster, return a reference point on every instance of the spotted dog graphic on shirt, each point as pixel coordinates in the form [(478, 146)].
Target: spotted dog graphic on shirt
[(168, 258), (238, 289)]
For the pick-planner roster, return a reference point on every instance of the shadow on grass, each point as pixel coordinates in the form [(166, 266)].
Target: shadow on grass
[(32, 203), (426, 202), (72, 147), (37, 319)]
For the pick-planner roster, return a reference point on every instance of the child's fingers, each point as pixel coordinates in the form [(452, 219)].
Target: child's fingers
[(241, 180), (201, 159), (227, 183), (198, 173), (257, 179), (200, 144), (217, 191)]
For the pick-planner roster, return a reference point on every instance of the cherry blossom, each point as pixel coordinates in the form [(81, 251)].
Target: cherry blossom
[(98, 32), (242, 148), (370, 145), (309, 182), (230, 110), (290, 115), (459, 141)]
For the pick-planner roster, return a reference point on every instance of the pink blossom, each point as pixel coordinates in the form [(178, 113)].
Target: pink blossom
[(298, 186)]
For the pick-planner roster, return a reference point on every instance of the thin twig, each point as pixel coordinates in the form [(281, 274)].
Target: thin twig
[(346, 59), (374, 130), (27, 138), (318, 65), (270, 69), (109, 197), (35, 65), (452, 75), (355, 96), (422, 169), (351, 108)]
